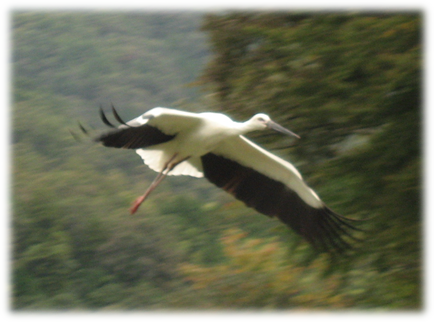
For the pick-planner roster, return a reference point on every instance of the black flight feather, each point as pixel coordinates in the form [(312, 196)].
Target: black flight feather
[(323, 228)]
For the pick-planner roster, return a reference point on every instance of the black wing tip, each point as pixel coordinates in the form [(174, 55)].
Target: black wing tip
[(104, 118), (336, 233), (83, 130), (125, 136), (75, 136), (117, 117), (325, 230)]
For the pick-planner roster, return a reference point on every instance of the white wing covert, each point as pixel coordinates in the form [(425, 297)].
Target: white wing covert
[(248, 154)]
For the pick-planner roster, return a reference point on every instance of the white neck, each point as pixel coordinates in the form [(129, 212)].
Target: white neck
[(248, 126)]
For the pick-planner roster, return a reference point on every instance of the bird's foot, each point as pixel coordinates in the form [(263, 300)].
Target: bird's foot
[(137, 204)]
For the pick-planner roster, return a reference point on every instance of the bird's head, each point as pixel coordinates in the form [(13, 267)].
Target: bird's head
[(262, 121)]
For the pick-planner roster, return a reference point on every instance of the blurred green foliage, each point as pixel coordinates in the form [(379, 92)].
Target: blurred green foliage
[(348, 83)]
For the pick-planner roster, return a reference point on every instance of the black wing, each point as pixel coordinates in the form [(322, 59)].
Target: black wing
[(134, 137), (323, 228), (131, 137)]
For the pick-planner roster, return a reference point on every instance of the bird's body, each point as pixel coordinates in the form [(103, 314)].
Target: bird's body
[(211, 145), (195, 135)]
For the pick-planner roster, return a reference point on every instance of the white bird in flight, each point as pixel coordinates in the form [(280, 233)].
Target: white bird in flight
[(211, 145)]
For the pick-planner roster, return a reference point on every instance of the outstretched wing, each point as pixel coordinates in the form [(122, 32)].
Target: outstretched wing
[(159, 125), (274, 188)]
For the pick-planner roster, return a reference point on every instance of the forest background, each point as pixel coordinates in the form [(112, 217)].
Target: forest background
[(349, 83)]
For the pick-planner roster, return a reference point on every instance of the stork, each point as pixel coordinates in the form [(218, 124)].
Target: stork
[(211, 145)]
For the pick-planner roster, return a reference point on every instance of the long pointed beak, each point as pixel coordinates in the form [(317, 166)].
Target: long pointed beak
[(279, 128)]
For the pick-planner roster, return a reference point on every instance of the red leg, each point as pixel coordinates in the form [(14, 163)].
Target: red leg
[(161, 175)]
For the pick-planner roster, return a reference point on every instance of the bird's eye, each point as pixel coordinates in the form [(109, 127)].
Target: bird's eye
[(261, 119)]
